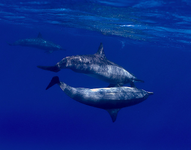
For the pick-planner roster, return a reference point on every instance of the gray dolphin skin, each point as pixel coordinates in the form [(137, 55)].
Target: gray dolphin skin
[(111, 99), (96, 65), (39, 43)]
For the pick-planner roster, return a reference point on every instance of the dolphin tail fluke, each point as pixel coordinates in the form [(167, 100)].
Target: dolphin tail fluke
[(113, 113), (50, 68), (55, 80)]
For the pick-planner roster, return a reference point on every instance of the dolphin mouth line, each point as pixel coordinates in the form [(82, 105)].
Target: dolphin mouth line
[(150, 93)]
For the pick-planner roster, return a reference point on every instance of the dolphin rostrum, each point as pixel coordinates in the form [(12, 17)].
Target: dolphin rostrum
[(39, 43), (96, 65), (111, 99)]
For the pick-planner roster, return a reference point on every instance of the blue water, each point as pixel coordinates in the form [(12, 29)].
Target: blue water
[(151, 39)]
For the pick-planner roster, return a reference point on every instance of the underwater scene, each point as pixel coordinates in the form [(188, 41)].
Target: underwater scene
[(95, 75)]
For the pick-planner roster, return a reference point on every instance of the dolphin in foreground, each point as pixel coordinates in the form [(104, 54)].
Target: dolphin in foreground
[(39, 43), (110, 99), (96, 65)]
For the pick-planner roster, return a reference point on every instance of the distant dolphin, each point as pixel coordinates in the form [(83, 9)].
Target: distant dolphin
[(110, 99), (38, 42), (97, 66)]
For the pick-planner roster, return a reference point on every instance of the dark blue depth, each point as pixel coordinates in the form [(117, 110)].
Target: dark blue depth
[(150, 39)]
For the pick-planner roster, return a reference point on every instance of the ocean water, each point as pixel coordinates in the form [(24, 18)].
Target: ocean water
[(149, 38)]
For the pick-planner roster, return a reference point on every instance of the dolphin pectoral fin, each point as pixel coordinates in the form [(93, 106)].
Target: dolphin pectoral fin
[(114, 85), (111, 85), (113, 113), (50, 68), (132, 84), (55, 80)]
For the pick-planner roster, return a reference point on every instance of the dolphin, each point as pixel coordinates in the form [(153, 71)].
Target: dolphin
[(39, 43), (111, 99), (96, 65)]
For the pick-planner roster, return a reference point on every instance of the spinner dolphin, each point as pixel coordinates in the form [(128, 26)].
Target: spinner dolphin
[(111, 99), (39, 43), (96, 65)]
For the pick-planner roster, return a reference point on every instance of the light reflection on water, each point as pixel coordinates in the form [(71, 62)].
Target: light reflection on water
[(149, 21)]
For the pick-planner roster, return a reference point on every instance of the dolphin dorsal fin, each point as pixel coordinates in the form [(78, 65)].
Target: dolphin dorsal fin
[(113, 113), (100, 51), (39, 35)]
